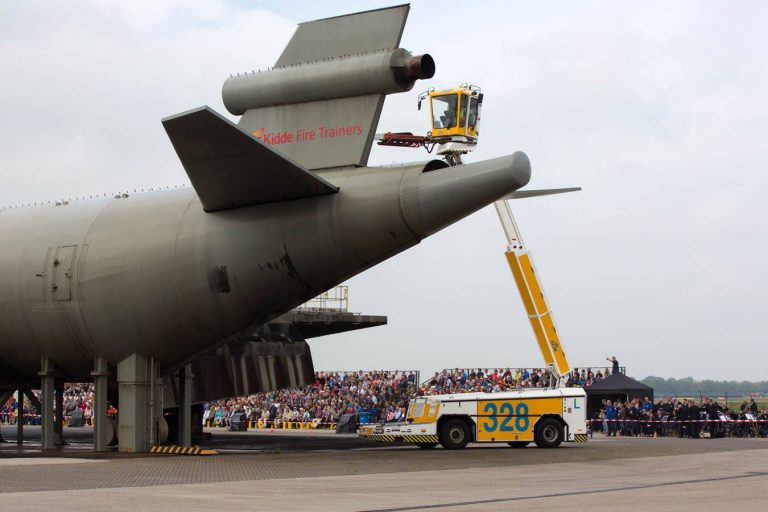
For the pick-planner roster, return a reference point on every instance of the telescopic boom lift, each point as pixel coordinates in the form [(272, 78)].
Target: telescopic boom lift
[(455, 120), (547, 417)]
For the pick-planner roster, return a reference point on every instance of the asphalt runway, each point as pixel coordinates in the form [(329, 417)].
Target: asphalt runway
[(323, 471)]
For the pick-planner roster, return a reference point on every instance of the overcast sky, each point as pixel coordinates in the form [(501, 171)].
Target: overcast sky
[(658, 110)]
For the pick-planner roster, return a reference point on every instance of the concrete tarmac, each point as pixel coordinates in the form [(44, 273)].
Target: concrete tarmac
[(614, 474)]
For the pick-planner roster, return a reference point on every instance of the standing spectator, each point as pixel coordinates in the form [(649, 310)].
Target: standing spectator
[(615, 363), (694, 416), (647, 404), (681, 414), (610, 417)]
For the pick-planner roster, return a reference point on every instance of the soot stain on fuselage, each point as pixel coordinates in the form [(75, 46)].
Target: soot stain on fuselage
[(218, 279)]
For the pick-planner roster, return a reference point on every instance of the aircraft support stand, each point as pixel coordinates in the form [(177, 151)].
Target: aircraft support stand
[(299, 365), (185, 406), (100, 375), (20, 417), (135, 417), (58, 425), (271, 367), (47, 395)]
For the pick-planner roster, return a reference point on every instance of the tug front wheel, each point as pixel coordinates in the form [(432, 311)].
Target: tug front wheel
[(454, 434)]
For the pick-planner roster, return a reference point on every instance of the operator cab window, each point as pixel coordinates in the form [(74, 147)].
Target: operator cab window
[(472, 112), (463, 111), (444, 111)]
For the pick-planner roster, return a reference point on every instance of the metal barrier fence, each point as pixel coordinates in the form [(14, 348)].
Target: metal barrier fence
[(682, 428), (280, 425), (416, 374), (36, 419), (284, 425), (7, 418), (395, 373), (648, 428)]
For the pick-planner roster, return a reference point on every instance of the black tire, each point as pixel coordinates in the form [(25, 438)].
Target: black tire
[(549, 433), (426, 446), (454, 434), (518, 444)]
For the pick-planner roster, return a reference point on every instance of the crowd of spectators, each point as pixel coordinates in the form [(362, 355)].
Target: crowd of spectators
[(678, 417), (74, 396), (9, 411), (381, 395), (493, 380), (371, 395), (79, 396), (378, 395)]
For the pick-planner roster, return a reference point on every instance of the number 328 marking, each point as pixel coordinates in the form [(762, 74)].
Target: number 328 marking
[(520, 416)]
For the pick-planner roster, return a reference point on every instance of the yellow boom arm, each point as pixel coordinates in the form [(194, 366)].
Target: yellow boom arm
[(536, 306)]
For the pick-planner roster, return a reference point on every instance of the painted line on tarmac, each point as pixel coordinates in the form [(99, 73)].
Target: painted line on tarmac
[(45, 461), (751, 474)]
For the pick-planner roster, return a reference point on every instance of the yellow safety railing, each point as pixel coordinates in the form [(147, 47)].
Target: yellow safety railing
[(335, 299)]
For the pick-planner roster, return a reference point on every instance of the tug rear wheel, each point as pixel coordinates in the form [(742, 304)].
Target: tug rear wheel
[(549, 433)]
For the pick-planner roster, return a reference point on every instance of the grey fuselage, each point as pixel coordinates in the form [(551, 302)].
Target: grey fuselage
[(155, 274)]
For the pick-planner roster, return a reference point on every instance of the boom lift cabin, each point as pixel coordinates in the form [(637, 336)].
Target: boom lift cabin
[(455, 117)]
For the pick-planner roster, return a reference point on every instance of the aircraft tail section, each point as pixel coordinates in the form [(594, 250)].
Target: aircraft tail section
[(320, 104), (319, 134), (229, 168)]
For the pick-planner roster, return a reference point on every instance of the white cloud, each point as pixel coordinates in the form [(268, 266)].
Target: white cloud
[(85, 86)]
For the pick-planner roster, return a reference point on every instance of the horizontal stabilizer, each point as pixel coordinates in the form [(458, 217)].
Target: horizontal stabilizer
[(229, 168), (522, 194)]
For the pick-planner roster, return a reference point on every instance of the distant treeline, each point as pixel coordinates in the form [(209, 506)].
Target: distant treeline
[(691, 388)]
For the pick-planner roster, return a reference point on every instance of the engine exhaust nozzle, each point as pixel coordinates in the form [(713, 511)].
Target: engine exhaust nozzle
[(418, 67)]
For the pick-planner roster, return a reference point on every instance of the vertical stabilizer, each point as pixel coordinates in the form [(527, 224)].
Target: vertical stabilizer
[(368, 31), (320, 104)]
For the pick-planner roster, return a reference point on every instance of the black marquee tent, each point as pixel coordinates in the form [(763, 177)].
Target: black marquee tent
[(615, 387)]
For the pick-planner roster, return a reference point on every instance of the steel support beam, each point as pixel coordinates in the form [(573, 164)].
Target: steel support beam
[(34, 402), (58, 425), (300, 370), (47, 396), (100, 375), (272, 375), (160, 433), (185, 406), (263, 374), (20, 417), (135, 416), (291, 372)]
